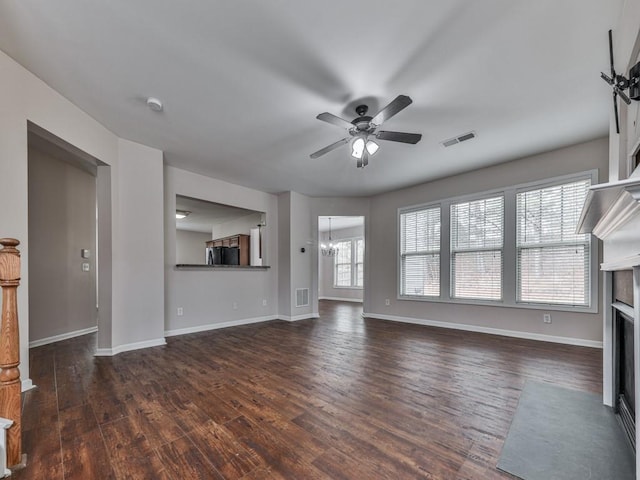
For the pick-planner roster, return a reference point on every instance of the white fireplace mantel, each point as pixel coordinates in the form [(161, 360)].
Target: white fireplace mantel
[(625, 263), (609, 206)]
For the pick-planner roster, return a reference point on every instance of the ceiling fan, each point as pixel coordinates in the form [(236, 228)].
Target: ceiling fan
[(364, 128), (620, 83)]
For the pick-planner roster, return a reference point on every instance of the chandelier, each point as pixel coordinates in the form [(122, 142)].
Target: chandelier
[(329, 250)]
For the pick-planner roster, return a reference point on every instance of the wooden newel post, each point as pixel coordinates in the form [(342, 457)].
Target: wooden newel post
[(10, 385)]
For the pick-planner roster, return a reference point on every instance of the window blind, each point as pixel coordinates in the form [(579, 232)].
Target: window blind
[(477, 239), (552, 259), (342, 264), (420, 252)]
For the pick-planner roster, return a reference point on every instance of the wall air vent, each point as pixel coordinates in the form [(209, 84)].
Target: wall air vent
[(459, 139), (302, 297)]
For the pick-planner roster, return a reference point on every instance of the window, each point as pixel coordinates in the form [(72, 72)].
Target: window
[(349, 263), (477, 238), (420, 252), (514, 247), (552, 259)]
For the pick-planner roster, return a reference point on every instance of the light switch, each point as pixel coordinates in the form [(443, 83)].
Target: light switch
[(86, 253), (85, 267)]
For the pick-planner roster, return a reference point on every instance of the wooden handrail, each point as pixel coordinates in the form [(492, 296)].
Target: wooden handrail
[(10, 385)]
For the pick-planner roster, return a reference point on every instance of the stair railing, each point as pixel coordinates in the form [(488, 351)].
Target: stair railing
[(10, 385)]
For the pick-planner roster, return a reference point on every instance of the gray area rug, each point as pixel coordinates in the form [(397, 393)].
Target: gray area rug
[(562, 434)]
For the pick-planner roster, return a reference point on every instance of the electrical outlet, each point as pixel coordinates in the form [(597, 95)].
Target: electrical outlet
[(85, 267), (546, 318), (387, 302), (235, 305), (180, 311), (264, 302)]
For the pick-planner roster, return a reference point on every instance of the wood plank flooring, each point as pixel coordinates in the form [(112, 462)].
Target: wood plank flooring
[(339, 397)]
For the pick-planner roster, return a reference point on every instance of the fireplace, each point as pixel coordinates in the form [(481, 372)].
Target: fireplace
[(623, 361), (625, 392)]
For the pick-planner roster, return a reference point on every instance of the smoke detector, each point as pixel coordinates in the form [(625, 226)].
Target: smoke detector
[(154, 104)]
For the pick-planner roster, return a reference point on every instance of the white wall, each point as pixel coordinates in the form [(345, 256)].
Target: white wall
[(382, 245), (326, 287), (62, 222), (284, 254), (301, 262), (190, 246), (23, 98), (207, 295), (139, 263)]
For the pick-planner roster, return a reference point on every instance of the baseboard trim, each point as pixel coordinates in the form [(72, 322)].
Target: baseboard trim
[(27, 384), (493, 331), (215, 326), (295, 318), (127, 347), (62, 336), (340, 299)]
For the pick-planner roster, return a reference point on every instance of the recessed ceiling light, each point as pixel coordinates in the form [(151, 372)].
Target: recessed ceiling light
[(182, 213), (154, 104)]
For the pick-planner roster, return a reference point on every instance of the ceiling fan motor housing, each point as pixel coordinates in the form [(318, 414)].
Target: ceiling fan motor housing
[(362, 124), (361, 110)]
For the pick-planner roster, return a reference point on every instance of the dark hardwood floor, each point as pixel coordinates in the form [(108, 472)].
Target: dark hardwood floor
[(339, 397)]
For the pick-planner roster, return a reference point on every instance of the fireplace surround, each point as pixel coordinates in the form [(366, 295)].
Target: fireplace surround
[(612, 213)]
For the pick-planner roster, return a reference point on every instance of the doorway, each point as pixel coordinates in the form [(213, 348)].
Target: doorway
[(341, 264), (64, 189)]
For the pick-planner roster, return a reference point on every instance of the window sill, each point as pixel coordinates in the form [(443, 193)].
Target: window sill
[(499, 303)]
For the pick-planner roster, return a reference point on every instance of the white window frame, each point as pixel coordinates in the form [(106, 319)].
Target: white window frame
[(355, 263), (354, 279), (509, 291)]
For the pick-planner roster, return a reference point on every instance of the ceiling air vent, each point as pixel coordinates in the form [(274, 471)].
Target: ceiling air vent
[(462, 138)]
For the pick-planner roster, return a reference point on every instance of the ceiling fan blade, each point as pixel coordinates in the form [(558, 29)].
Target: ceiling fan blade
[(400, 103), (403, 137), (332, 119), (615, 109), (328, 148), (613, 71)]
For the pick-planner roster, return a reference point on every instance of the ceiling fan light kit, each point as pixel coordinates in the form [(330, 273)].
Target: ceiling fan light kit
[(362, 128), (361, 143)]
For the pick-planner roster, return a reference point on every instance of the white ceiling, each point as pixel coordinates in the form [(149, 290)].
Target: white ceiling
[(243, 81)]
